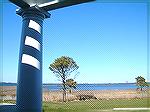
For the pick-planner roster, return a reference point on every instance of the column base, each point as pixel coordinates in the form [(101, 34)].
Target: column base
[(7, 107)]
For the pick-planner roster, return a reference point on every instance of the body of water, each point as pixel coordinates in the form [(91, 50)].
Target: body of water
[(110, 86), (120, 86)]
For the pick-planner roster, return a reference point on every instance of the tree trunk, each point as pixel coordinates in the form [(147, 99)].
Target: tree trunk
[(64, 95), (64, 91), (70, 91)]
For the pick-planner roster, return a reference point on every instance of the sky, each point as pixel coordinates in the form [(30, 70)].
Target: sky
[(107, 40)]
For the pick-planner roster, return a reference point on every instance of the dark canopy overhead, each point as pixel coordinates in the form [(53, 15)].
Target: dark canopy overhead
[(48, 4)]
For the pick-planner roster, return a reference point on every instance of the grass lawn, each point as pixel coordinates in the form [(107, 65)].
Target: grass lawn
[(97, 105)]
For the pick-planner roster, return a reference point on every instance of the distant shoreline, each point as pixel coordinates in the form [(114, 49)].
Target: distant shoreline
[(3, 83), (45, 84)]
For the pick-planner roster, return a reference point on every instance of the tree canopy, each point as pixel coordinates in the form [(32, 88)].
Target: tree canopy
[(71, 83), (141, 83), (63, 66)]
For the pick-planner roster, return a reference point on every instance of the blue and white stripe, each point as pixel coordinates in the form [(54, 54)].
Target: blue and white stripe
[(34, 25), (32, 42), (30, 60)]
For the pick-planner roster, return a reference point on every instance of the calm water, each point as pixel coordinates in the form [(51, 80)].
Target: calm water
[(95, 86), (119, 86)]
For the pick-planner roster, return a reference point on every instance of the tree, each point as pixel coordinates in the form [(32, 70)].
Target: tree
[(63, 67), (71, 84), (140, 82)]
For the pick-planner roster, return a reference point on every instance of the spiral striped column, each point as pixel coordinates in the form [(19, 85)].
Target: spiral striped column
[(29, 88)]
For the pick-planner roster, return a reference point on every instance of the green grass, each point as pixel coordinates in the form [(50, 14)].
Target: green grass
[(96, 105)]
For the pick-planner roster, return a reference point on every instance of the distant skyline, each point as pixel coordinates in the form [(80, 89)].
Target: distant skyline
[(107, 40)]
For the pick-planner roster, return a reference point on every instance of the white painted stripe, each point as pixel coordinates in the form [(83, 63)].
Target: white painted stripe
[(32, 42), (131, 109), (2, 104), (27, 59), (34, 25), (49, 3)]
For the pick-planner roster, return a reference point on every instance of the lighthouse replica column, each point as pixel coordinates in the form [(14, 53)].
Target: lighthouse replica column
[(29, 88)]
